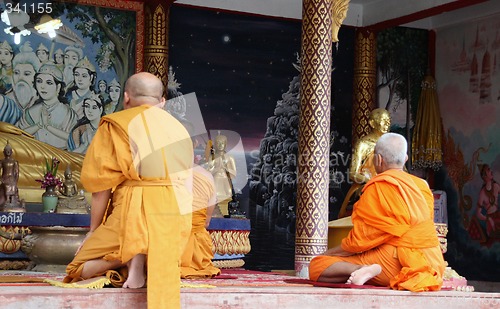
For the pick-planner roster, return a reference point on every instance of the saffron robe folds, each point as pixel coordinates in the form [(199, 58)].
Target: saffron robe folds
[(393, 226), (146, 156), (196, 261)]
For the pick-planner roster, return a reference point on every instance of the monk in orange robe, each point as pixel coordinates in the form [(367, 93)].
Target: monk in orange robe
[(393, 241), (196, 261), (144, 157)]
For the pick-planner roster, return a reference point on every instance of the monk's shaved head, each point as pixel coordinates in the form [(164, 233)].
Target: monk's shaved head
[(143, 88), (392, 147)]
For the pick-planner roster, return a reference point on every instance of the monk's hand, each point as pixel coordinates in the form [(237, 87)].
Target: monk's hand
[(81, 245), (337, 251)]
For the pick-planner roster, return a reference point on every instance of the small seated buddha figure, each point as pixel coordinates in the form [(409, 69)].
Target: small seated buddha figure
[(362, 169), (70, 201)]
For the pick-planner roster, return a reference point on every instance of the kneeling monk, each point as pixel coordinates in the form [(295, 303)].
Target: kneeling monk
[(145, 156)]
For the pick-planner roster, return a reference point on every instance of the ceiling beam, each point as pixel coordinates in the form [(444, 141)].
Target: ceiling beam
[(426, 13)]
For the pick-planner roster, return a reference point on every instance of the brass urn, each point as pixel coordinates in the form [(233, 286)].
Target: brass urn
[(51, 249)]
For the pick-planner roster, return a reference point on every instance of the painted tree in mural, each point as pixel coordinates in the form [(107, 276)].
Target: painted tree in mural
[(402, 64), (273, 183), (115, 32), (274, 175)]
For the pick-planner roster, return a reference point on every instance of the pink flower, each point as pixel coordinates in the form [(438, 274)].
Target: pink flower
[(197, 159), (50, 178)]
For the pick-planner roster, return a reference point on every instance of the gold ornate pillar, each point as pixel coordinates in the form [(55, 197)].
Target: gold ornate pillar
[(314, 131), (156, 29), (365, 82)]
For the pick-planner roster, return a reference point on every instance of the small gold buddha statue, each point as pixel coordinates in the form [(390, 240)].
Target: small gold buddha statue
[(70, 201)]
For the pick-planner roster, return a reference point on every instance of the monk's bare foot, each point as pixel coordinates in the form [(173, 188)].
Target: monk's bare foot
[(136, 277), (365, 273)]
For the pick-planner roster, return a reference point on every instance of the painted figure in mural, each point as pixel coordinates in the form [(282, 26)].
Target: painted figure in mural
[(9, 110), (160, 178), (9, 192), (72, 54), (42, 52), (50, 120), (102, 90), (266, 169), (59, 59), (25, 65), (22, 95), (176, 103), (393, 241), (487, 203), (114, 90), (84, 75), (6, 55), (223, 168), (83, 132)]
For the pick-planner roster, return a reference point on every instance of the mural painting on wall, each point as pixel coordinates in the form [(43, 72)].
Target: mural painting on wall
[(245, 73), (402, 60), (56, 86), (468, 75)]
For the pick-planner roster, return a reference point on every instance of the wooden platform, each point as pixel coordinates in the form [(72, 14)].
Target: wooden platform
[(230, 296)]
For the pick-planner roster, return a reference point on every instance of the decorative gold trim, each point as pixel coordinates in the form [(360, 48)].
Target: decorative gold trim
[(230, 242), (99, 283), (365, 83), (235, 263), (339, 13)]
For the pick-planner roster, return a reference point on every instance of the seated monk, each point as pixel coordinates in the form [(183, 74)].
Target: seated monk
[(361, 169), (393, 241), (196, 260), (31, 155)]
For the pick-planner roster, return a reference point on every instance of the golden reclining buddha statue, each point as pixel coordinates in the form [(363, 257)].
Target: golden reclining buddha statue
[(31, 155)]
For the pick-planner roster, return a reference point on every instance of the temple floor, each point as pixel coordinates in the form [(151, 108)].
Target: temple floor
[(243, 289)]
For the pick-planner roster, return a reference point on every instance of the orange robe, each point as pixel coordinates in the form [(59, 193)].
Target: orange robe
[(196, 261), (146, 156), (393, 226)]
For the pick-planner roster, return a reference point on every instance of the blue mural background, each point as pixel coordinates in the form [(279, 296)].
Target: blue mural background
[(241, 67)]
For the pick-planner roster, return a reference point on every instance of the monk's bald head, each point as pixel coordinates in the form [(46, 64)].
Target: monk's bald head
[(392, 147), (143, 88)]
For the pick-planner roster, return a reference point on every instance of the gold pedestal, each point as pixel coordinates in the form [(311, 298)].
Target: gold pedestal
[(337, 230)]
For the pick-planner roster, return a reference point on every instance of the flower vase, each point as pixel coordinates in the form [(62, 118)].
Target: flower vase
[(49, 199)]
